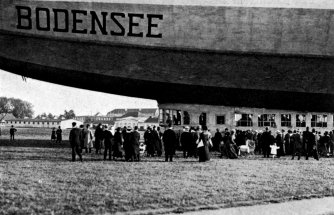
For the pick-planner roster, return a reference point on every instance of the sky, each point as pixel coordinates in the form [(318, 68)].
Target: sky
[(53, 98)]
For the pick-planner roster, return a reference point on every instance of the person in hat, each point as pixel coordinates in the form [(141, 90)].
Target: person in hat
[(135, 144), (279, 144), (75, 141), (267, 140), (149, 142), (312, 149), (127, 145), (12, 131), (217, 139), (186, 139), (99, 136), (59, 136), (204, 142), (108, 142), (157, 141), (170, 143), (297, 145), (117, 146)]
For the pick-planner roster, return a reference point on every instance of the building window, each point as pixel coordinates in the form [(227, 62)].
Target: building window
[(267, 120), (168, 117), (176, 117), (220, 120), (286, 120), (202, 119), (161, 116), (319, 121), (300, 120), (186, 118), (244, 120)]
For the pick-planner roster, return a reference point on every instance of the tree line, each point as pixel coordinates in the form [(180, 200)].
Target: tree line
[(23, 109)]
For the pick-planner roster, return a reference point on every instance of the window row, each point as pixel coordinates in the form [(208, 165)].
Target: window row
[(268, 120), (242, 119), (33, 123)]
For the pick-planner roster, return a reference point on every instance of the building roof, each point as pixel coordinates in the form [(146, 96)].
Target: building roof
[(6, 116), (152, 120), (118, 111), (103, 122), (148, 110), (36, 120), (133, 114)]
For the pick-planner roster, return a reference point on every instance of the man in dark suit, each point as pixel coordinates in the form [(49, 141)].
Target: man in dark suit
[(12, 131), (297, 144), (170, 143), (311, 145), (186, 141), (267, 140), (75, 141), (108, 142), (135, 143)]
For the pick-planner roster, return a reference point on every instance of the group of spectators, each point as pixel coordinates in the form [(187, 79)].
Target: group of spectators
[(293, 143), (126, 142)]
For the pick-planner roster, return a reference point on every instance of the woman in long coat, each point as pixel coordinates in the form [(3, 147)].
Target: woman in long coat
[(88, 139), (204, 143), (149, 142), (279, 143), (230, 147), (117, 146), (99, 136)]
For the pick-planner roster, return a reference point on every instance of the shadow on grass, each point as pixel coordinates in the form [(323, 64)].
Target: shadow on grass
[(34, 143)]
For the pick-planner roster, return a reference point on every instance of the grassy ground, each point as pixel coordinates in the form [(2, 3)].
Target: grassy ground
[(41, 179), (32, 133)]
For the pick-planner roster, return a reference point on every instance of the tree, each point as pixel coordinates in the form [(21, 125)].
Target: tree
[(45, 116), (17, 107), (88, 120), (50, 116), (69, 114)]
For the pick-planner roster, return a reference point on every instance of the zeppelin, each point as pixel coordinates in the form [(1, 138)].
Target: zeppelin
[(61, 21)]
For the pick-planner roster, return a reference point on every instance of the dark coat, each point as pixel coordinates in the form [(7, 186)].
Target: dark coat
[(157, 140), (99, 134), (58, 132), (297, 142), (149, 141), (186, 140), (74, 138), (267, 139), (108, 138), (117, 146), (170, 141), (127, 145), (135, 141), (12, 131)]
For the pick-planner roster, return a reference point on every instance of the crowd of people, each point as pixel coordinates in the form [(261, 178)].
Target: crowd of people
[(198, 143), (291, 143), (194, 142), (125, 143)]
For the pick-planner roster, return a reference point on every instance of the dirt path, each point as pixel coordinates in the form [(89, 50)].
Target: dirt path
[(318, 206)]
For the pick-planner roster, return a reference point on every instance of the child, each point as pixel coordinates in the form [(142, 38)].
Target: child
[(274, 150)]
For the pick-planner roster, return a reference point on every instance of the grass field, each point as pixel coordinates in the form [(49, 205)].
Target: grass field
[(38, 177)]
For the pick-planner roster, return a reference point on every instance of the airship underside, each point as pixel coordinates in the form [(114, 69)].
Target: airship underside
[(259, 54)]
